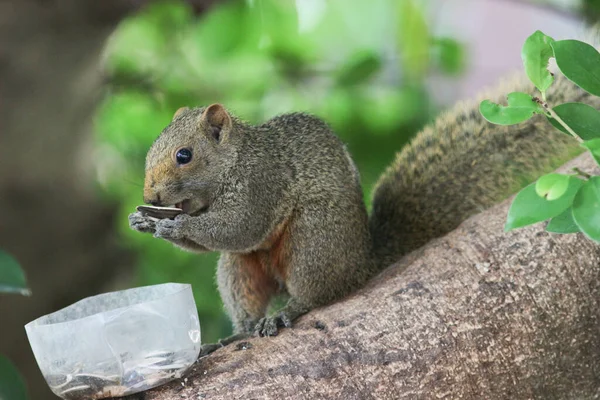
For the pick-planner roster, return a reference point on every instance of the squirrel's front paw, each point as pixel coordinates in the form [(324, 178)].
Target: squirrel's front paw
[(141, 222), (269, 326), (171, 229)]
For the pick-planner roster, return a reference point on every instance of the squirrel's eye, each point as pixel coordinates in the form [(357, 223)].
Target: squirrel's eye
[(183, 156)]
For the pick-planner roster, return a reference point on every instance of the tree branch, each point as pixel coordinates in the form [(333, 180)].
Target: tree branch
[(476, 314)]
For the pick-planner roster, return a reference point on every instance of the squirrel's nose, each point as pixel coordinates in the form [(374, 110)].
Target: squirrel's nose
[(153, 201)]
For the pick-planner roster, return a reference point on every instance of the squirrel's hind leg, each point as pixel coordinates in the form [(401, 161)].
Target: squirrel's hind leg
[(246, 289), (331, 259)]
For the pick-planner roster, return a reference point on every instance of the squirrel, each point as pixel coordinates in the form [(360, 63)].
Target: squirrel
[(282, 201)]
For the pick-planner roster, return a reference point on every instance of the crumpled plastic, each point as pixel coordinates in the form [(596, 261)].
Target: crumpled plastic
[(117, 343)]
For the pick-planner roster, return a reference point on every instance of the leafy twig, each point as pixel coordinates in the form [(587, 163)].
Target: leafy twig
[(582, 173), (557, 118)]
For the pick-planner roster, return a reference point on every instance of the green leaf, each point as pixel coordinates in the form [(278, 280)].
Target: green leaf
[(137, 47), (168, 16), (361, 66), (12, 277), (594, 147), (580, 63), (450, 55), (535, 54), (12, 385), (528, 208), (413, 39), (280, 34), (582, 118), (521, 107), (563, 223), (586, 208), (130, 121), (552, 186), (220, 33)]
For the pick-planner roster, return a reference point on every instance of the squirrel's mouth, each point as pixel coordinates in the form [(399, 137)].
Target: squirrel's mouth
[(186, 206)]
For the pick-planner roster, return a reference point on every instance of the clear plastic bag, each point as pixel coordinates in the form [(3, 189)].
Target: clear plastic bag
[(118, 343)]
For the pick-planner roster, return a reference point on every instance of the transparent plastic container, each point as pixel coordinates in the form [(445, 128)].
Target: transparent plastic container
[(118, 343)]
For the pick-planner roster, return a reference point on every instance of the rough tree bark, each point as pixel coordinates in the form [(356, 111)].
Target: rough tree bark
[(476, 314)]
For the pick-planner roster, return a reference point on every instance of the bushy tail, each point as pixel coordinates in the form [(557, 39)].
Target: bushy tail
[(461, 165)]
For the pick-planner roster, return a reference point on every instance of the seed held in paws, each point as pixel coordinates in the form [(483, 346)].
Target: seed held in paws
[(159, 212)]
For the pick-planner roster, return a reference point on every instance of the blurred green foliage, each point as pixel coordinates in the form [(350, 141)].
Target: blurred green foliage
[(591, 10), (12, 276), (12, 385), (12, 280), (360, 67)]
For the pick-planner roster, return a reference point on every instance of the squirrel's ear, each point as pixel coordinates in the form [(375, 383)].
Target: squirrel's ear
[(179, 112), (216, 119)]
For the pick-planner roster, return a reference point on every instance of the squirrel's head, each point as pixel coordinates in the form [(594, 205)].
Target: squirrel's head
[(190, 158)]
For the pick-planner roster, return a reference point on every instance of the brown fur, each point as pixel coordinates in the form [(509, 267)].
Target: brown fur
[(280, 256), (266, 268), (279, 252), (259, 284)]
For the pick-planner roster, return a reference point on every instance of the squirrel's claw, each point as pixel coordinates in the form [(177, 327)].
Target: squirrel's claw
[(169, 229), (141, 222), (269, 326), (208, 348)]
